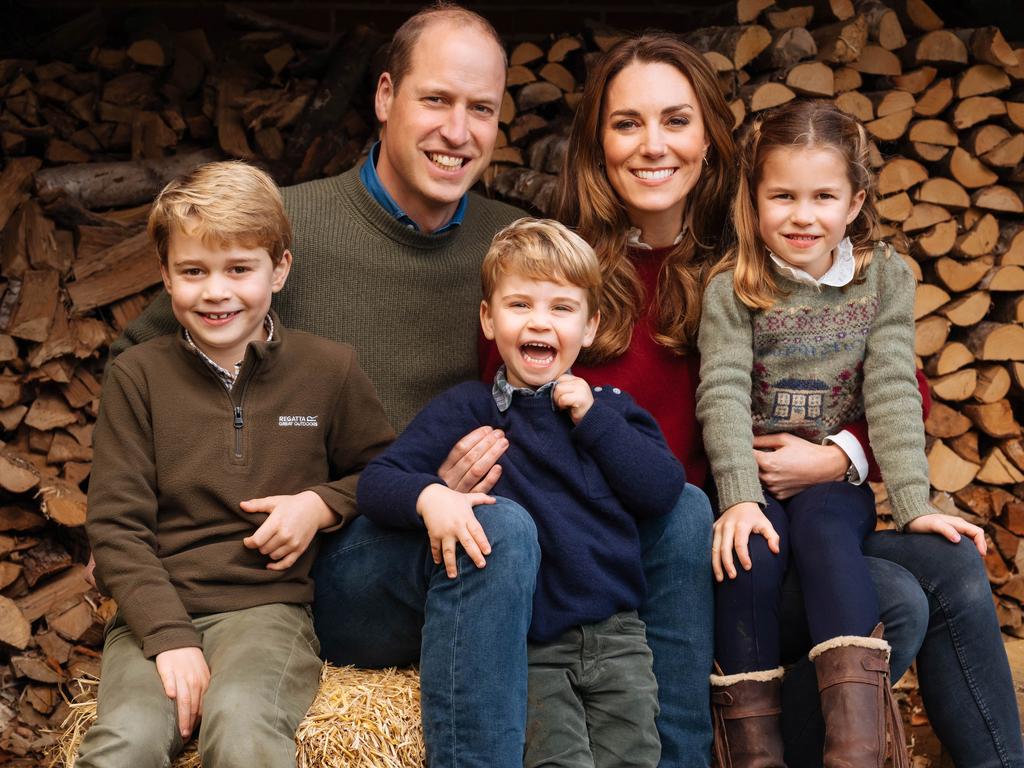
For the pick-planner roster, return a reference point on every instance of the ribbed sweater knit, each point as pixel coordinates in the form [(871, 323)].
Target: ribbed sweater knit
[(584, 486), (407, 301), (175, 453), (819, 358)]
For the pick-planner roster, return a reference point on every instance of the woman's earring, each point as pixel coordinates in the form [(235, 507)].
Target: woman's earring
[(706, 160)]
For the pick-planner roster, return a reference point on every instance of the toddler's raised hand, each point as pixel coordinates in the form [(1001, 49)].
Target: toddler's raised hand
[(573, 394), (450, 520), (732, 531)]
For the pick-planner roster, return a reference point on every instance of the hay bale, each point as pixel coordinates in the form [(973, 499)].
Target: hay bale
[(363, 718), (360, 718)]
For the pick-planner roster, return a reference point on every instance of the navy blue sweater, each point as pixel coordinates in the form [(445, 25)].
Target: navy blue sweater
[(584, 486)]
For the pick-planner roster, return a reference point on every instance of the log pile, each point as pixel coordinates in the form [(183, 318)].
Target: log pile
[(91, 129)]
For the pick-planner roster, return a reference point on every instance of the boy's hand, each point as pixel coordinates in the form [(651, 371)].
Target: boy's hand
[(732, 531), (293, 522), (472, 465), (949, 526), (186, 677), (573, 394), (450, 520)]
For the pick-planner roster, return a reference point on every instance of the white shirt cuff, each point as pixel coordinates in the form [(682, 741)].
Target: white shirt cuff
[(851, 446)]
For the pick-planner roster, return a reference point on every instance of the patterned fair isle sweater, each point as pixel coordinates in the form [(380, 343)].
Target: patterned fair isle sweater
[(819, 358)]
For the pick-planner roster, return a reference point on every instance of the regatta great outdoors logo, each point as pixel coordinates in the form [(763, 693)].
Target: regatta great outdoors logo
[(297, 421)]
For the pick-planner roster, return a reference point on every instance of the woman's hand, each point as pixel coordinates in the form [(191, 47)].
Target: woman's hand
[(787, 464), (732, 531)]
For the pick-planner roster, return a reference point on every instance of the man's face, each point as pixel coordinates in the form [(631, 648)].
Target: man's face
[(439, 126)]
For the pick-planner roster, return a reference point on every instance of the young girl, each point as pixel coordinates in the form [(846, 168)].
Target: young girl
[(809, 325)]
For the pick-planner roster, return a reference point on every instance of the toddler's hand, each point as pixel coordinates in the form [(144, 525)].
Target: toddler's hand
[(573, 394), (291, 526), (186, 677), (450, 520), (732, 531), (950, 527)]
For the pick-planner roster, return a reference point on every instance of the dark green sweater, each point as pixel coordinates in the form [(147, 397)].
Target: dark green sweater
[(408, 301), (176, 453)]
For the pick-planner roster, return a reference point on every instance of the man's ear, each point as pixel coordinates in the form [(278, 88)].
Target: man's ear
[(486, 321), (281, 270), (383, 98)]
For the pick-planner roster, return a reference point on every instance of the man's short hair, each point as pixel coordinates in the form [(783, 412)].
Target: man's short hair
[(223, 204), (542, 249), (399, 60)]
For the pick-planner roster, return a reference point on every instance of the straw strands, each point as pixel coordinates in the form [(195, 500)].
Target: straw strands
[(360, 718)]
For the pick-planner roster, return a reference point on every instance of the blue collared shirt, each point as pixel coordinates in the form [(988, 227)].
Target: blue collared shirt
[(503, 391), (368, 175)]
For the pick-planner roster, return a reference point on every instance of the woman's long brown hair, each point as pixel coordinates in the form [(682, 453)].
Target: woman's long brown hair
[(587, 201)]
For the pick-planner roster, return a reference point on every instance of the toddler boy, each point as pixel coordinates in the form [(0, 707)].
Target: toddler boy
[(584, 462), (220, 451)]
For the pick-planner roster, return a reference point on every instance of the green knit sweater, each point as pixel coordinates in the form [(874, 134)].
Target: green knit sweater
[(407, 301), (817, 359)]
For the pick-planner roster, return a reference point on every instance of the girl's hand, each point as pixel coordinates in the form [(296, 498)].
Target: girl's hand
[(788, 464), (732, 531), (949, 526)]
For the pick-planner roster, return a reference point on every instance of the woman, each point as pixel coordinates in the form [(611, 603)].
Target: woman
[(651, 155)]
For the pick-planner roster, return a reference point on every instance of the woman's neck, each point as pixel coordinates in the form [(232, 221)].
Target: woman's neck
[(658, 231)]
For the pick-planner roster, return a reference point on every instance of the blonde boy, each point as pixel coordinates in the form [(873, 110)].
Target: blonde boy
[(584, 462), (220, 451)]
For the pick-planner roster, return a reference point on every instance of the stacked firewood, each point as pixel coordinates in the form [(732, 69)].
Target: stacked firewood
[(91, 128)]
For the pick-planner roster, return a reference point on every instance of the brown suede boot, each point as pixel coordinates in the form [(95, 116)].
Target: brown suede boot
[(862, 721), (745, 711)]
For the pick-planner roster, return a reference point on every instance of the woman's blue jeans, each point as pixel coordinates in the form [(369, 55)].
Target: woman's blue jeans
[(381, 601), (936, 602)]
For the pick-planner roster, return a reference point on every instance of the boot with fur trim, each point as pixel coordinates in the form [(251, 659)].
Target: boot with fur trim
[(862, 719), (745, 710)]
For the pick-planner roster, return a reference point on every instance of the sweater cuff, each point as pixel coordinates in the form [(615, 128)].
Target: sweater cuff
[(908, 503), (171, 639), (596, 423), (737, 487), (343, 507)]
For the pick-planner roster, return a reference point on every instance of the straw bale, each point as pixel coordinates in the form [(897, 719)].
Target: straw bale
[(360, 718), (363, 719)]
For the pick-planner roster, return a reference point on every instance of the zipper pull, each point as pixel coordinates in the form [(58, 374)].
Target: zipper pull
[(238, 417)]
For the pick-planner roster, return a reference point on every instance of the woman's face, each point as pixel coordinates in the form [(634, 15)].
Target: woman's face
[(652, 134)]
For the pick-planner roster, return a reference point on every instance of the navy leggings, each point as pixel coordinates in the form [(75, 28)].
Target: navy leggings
[(822, 529)]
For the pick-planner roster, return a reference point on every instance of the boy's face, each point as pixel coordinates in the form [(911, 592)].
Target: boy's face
[(539, 327), (221, 295)]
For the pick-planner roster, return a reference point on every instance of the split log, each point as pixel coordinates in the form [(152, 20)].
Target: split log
[(959, 277), (940, 48), (1004, 278), (968, 310), (936, 241), (995, 419), (968, 170), (981, 79), (842, 42), (956, 386), (930, 334), (993, 383), (947, 471), (996, 341), (998, 470), (899, 174), (946, 422), (927, 299), (740, 44), (997, 198)]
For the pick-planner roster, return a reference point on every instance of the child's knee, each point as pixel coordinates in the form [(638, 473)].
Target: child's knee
[(134, 734), (511, 533)]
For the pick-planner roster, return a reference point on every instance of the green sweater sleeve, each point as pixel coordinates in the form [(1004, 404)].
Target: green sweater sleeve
[(892, 401), (358, 431), (122, 520), (723, 396)]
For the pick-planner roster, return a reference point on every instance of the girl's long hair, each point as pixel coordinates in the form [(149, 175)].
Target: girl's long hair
[(804, 124), (587, 201)]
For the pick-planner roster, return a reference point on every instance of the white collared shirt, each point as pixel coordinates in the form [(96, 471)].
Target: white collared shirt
[(633, 239)]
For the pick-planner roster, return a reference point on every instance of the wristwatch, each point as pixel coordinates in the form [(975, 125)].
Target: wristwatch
[(852, 475)]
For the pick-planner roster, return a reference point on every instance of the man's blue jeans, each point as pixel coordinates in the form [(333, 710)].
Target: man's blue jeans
[(934, 596), (381, 601)]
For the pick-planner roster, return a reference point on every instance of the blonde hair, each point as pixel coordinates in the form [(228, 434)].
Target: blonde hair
[(542, 249), (804, 124), (223, 204), (587, 201)]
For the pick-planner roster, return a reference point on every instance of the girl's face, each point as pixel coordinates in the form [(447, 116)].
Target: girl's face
[(652, 134), (804, 203)]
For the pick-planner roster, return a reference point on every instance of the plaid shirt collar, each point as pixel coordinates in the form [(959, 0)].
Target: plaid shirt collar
[(502, 391), (227, 378)]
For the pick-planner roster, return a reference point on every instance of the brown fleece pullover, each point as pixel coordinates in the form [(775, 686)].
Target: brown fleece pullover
[(176, 452)]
